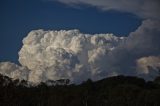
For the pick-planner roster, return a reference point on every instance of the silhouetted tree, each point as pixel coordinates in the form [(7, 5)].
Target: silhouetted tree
[(113, 91)]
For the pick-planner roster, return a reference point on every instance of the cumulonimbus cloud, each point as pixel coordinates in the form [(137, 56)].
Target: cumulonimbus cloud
[(54, 55), (143, 8)]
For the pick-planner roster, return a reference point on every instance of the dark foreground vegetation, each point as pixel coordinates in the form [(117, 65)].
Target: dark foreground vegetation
[(113, 91)]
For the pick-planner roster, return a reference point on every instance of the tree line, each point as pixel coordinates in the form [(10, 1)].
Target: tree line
[(113, 91)]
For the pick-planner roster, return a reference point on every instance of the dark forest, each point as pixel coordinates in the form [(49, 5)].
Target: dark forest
[(113, 91)]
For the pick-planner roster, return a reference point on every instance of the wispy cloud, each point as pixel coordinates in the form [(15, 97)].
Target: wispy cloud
[(142, 8)]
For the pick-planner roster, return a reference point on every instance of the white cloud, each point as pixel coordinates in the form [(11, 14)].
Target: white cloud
[(54, 55), (142, 8)]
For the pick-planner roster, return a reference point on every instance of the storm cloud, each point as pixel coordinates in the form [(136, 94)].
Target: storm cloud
[(54, 55)]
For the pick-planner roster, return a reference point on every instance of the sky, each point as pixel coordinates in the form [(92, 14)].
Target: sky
[(19, 17), (43, 40)]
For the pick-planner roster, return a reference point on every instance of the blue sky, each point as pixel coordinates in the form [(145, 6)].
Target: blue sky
[(18, 17)]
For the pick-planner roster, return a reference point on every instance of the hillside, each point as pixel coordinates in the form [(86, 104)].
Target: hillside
[(113, 91)]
